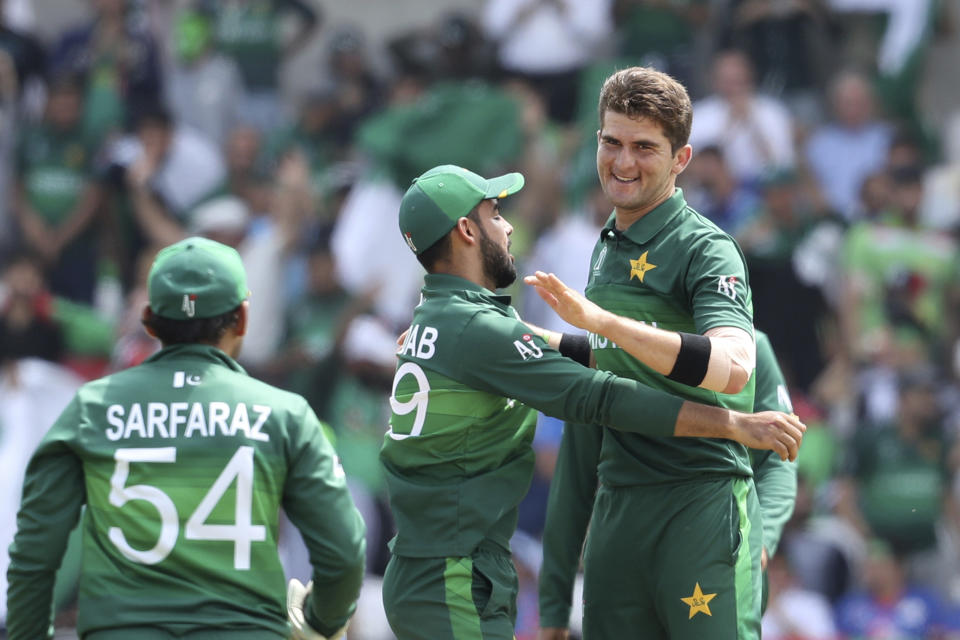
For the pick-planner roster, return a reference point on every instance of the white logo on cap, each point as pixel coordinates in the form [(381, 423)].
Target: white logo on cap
[(189, 305), (409, 240)]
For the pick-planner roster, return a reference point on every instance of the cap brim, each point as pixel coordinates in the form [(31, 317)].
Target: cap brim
[(504, 185)]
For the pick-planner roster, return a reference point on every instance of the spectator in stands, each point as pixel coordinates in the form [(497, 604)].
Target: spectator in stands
[(755, 131), (205, 88), (121, 66), (252, 33), (894, 278), (56, 199), (789, 304), (790, 43), (941, 202), (27, 328), (168, 170), (889, 605), (853, 145), (357, 88), (316, 135), (895, 481), (29, 62), (793, 612), (547, 43), (711, 188), (665, 35)]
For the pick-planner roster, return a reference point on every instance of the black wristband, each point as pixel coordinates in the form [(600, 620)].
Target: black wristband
[(576, 347), (692, 361)]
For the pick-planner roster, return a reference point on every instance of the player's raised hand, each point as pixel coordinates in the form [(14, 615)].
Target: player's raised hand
[(568, 303), (773, 430)]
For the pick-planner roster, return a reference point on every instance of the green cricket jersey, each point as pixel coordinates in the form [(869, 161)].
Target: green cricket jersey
[(183, 463), (675, 270), (55, 167), (470, 376), (574, 484), (251, 33)]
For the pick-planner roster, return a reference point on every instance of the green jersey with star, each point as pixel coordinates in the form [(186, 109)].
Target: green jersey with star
[(183, 463), (470, 377), (677, 271)]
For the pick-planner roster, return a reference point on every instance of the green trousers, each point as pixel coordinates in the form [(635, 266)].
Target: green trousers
[(462, 598), (680, 562)]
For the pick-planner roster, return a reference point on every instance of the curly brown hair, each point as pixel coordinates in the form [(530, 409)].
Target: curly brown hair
[(644, 92)]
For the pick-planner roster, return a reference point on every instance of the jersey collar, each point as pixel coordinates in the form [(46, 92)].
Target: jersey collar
[(444, 282), (197, 352), (643, 230)]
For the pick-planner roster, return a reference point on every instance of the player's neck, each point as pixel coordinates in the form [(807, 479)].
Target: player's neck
[(626, 217)]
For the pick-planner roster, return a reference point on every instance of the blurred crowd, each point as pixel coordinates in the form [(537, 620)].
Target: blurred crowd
[(153, 120)]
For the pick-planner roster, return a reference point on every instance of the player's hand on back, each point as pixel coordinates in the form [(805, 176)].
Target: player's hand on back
[(569, 304), (553, 633), (300, 629), (773, 430)]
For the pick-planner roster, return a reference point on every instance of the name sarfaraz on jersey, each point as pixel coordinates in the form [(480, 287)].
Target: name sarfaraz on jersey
[(186, 420)]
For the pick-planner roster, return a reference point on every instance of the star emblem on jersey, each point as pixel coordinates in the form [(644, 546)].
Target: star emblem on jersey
[(640, 266), (699, 602)]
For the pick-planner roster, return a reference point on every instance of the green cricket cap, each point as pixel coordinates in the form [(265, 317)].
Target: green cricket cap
[(441, 196), (196, 278)]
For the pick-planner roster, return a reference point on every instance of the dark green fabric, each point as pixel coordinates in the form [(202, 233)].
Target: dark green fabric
[(776, 479), (638, 581), (457, 455), (675, 270), (457, 598), (142, 479)]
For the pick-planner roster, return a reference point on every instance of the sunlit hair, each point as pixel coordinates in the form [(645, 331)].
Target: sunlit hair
[(643, 92)]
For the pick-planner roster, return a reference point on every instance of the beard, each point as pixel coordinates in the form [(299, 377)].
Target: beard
[(497, 265)]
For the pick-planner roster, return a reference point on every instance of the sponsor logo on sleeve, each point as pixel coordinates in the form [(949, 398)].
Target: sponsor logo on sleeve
[(727, 285)]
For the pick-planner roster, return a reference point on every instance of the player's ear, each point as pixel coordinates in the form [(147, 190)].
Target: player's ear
[(682, 159), (145, 321), (466, 230), (243, 314)]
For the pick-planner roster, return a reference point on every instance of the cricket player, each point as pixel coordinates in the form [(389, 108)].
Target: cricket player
[(471, 375), (183, 463), (676, 544), (573, 489)]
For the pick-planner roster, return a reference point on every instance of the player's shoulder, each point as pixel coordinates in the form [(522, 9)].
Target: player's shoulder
[(258, 390)]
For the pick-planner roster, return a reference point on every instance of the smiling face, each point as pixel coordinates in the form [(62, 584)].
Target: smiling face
[(636, 165)]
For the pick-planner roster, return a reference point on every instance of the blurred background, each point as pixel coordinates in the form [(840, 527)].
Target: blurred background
[(826, 140)]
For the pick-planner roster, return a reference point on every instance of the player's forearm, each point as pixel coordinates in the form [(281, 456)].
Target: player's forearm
[(724, 364), (29, 603), (334, 597), (52, 496)]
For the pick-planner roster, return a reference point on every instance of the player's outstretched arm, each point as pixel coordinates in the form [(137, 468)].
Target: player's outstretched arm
[(770, 430), (722, 360)]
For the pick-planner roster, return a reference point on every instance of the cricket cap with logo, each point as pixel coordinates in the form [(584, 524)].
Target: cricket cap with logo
[(437, 199), (196, 278)]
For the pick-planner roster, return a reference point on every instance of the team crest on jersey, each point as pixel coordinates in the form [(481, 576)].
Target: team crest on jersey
[(189, 305), (727, 285), (527, 347), (640, 266)]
